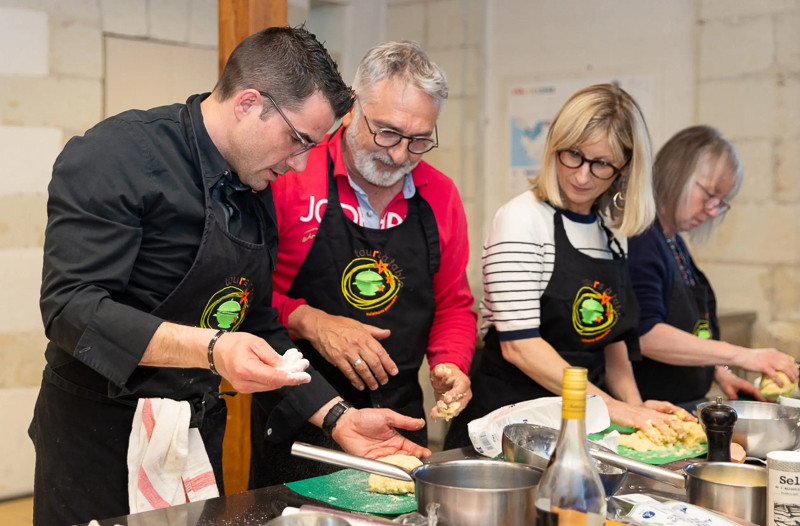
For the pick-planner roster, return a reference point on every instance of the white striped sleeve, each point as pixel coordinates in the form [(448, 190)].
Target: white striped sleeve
[(517, 264)]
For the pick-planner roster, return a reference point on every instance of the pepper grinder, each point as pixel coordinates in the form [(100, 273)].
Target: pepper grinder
[(718, 420)]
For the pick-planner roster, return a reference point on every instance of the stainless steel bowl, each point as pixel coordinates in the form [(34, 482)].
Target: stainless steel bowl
[(762, 427), (533, 444)]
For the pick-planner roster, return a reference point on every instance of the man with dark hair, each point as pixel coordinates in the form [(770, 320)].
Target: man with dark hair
[(158, 255)]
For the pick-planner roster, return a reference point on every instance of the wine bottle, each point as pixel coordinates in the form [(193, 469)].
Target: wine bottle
[(570, 491)]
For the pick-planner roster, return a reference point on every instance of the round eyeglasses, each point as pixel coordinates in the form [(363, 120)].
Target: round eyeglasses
[(601, 169), (388, 138), (713, 202)]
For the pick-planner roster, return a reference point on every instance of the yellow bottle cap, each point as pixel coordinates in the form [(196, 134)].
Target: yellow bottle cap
[(573, 393)]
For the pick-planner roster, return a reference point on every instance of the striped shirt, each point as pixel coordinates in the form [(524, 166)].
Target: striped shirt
[(518, 259)]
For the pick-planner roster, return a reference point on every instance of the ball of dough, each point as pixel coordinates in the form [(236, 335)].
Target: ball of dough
[(390, 486), (446, 411), (769, 389)]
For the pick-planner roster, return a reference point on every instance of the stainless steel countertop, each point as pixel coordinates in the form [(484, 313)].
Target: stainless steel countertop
[(257, 507)]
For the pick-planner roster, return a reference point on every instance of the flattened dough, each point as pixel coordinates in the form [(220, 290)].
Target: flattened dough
[(389, 486), (641, 441)]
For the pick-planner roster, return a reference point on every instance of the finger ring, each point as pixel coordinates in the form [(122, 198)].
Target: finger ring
[(358, 362)]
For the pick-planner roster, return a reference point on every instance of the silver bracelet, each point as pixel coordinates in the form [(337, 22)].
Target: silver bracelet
[(211, 350)]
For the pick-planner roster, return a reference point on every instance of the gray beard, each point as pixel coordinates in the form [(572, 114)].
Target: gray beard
[(366, 163)]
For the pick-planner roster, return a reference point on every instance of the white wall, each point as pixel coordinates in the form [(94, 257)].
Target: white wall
[(540, 40)]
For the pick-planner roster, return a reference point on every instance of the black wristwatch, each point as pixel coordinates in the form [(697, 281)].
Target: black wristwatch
[(333, 416)]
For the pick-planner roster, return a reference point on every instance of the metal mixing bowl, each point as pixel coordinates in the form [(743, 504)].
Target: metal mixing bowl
[(762, 427), (533, 444)]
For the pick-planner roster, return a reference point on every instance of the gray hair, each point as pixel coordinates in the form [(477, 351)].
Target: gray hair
[(406, 60), (686, 158)]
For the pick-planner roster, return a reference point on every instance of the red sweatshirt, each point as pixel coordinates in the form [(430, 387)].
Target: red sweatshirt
[(300, 200)]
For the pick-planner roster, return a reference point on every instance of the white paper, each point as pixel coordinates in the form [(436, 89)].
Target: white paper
[(486, 433)]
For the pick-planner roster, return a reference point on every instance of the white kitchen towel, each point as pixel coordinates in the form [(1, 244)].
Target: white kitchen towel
[(167, 461)]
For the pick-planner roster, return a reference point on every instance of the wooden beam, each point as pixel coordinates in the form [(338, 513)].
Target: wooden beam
[(238, 19)]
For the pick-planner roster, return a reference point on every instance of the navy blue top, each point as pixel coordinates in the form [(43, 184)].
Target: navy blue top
[(651, 266)]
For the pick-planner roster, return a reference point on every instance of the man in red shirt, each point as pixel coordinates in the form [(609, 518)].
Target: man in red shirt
[(371, 270)]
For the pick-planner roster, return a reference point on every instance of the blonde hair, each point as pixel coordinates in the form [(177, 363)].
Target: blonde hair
[(686, 158), (604, 111)]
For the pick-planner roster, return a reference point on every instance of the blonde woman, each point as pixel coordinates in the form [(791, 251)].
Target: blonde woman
[(696, 175), (556, 286)]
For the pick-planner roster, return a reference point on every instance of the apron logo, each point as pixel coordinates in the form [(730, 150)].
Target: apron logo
[(594, 313), (702, 329), (371, 282), (227, 308)]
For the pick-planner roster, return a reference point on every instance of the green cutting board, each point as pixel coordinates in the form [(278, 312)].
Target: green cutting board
[(347, 489), (664, 456)]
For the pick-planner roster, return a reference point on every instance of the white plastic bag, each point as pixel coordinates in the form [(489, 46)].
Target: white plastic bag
[(486, 433)]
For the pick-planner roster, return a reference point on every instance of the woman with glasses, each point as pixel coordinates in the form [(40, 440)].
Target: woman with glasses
[(696, 174), (556, 285)]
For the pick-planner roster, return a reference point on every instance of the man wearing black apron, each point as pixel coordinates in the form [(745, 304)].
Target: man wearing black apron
[(377, 260), (158, 256)]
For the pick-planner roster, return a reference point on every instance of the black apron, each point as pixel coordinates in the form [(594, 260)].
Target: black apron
[(378, 277), (587, 304), (691, 309), (82, 422)]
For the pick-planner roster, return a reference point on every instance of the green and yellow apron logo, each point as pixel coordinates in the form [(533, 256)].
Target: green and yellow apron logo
[(227, 308), (594, 312), (371, 282), (702, 329)]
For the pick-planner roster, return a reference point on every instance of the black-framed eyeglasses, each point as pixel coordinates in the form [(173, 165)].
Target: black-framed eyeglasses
[(713, 202), (388, 138), (601, 169), (306, 145)]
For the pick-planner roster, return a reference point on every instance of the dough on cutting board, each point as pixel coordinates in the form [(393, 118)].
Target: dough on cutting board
[(641, 441), (390, 486), (769, 389)]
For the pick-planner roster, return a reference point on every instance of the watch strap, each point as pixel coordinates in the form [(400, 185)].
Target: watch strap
[(333, 416)]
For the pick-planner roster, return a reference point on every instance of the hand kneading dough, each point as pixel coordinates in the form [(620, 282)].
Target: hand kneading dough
[(381, 484), (655, 440), (769, 389), (446, 411)]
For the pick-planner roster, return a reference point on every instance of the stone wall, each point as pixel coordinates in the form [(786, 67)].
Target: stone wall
[(51, 88), (748, 85)]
